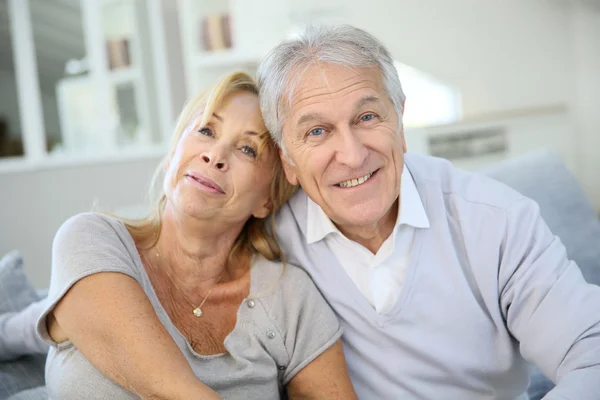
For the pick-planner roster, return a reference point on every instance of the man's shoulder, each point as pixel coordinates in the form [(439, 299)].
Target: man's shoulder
[(436, 176), (290, 225), (293, 212)]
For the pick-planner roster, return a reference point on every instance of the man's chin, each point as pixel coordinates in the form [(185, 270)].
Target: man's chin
[(364, 218)]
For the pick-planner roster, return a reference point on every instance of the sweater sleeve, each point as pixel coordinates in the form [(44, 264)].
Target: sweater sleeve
[(548, 306), (309, 324), (86, 244)]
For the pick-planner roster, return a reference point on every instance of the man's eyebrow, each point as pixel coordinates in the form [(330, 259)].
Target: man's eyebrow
[(217, 117), (308, 118), (366, 100)]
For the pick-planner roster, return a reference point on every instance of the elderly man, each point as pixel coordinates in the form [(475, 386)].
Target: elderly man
[(445, 281)]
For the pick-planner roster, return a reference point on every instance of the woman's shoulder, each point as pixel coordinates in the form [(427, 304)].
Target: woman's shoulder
[(92, 234), (91, 243), (285, 290), (298, 310), (278, 277), (91, 225)]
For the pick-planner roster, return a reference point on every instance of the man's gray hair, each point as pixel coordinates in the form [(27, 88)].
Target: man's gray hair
[(282, 68)]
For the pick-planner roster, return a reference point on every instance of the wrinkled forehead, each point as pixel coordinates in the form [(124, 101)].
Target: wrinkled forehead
[(321, 80)]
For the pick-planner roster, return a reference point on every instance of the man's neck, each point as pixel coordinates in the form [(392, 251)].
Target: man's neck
[(373, 236)]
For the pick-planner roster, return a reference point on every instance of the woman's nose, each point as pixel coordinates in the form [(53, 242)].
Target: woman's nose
[(214, 160)]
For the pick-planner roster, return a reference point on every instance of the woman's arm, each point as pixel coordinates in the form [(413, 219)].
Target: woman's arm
[(109, 318), (326, 377)]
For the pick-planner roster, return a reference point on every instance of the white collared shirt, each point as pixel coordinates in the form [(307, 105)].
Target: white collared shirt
[(379, 277)]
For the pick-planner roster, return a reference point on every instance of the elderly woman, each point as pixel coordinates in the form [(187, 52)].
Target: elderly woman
[(193, 302)]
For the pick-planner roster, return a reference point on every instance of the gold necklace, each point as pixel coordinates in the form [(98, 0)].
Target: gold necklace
[(197, 311)]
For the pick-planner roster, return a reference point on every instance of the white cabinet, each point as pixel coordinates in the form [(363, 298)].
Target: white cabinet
[(220, 36), (113, 105)]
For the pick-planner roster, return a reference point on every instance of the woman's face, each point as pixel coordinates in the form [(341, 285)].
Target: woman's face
[(215, 171)]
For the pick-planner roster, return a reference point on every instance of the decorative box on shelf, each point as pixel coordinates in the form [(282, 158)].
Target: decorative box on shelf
[(220, 36)]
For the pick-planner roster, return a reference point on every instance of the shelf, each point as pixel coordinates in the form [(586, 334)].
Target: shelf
[(65, 160), (224, 59), (124, 75)]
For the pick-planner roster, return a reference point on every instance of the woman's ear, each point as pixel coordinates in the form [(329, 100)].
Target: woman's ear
[(264, 210)]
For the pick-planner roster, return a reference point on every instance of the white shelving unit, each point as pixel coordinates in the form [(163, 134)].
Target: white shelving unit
[(255, 27), (110, 108), (105, 115)]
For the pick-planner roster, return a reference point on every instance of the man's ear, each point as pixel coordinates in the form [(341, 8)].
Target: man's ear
[(287, 168), (404, 147)]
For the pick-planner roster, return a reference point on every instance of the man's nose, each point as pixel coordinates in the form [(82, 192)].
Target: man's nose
[(350, 149)]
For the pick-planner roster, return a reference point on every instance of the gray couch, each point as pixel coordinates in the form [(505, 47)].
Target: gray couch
[(541, 176)]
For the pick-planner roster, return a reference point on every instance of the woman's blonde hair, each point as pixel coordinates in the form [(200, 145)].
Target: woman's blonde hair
[(258, 235)]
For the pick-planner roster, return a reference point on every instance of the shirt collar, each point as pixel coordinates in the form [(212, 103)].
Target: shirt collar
[(411, 212)]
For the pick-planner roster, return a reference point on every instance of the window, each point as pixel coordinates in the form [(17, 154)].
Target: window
[(11, 138), (84, 83), (429, 101), (59, 45)]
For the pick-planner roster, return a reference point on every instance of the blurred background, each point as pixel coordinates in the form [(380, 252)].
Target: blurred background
[(90, 89)]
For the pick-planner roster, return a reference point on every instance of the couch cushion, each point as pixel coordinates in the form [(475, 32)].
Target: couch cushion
[(16, 293), (38, 393)]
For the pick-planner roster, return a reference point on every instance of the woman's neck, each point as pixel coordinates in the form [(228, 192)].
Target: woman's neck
[(196, 253)]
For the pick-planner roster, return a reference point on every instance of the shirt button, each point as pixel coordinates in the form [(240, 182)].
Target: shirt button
[(250, 303), (270, 334), (281, 368)]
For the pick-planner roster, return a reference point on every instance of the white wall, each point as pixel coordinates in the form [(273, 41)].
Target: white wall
[(586, 101), (34, 204)]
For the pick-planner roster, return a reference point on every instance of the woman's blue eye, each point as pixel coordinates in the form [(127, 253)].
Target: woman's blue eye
[(367, 117), (205, 132), (249, 151), (316, 132)]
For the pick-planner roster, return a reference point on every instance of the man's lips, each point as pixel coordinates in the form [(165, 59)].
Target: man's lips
[(203, 180), (357, 181)]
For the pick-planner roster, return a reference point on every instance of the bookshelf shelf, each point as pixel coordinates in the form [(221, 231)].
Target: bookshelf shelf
[(220, 36), (123, 76), (113, 105)]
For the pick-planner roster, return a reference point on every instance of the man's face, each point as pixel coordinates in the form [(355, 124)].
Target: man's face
[(342, 137)]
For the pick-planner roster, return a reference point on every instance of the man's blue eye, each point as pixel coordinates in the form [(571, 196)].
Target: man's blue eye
[(317, 132), (367, 117)]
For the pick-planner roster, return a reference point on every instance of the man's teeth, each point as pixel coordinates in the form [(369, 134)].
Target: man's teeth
[(355, 182)]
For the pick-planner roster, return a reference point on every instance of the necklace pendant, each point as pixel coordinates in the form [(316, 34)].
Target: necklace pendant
[(198, 312)]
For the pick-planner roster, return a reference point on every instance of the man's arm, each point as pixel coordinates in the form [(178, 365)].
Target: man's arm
[(548, 306)]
